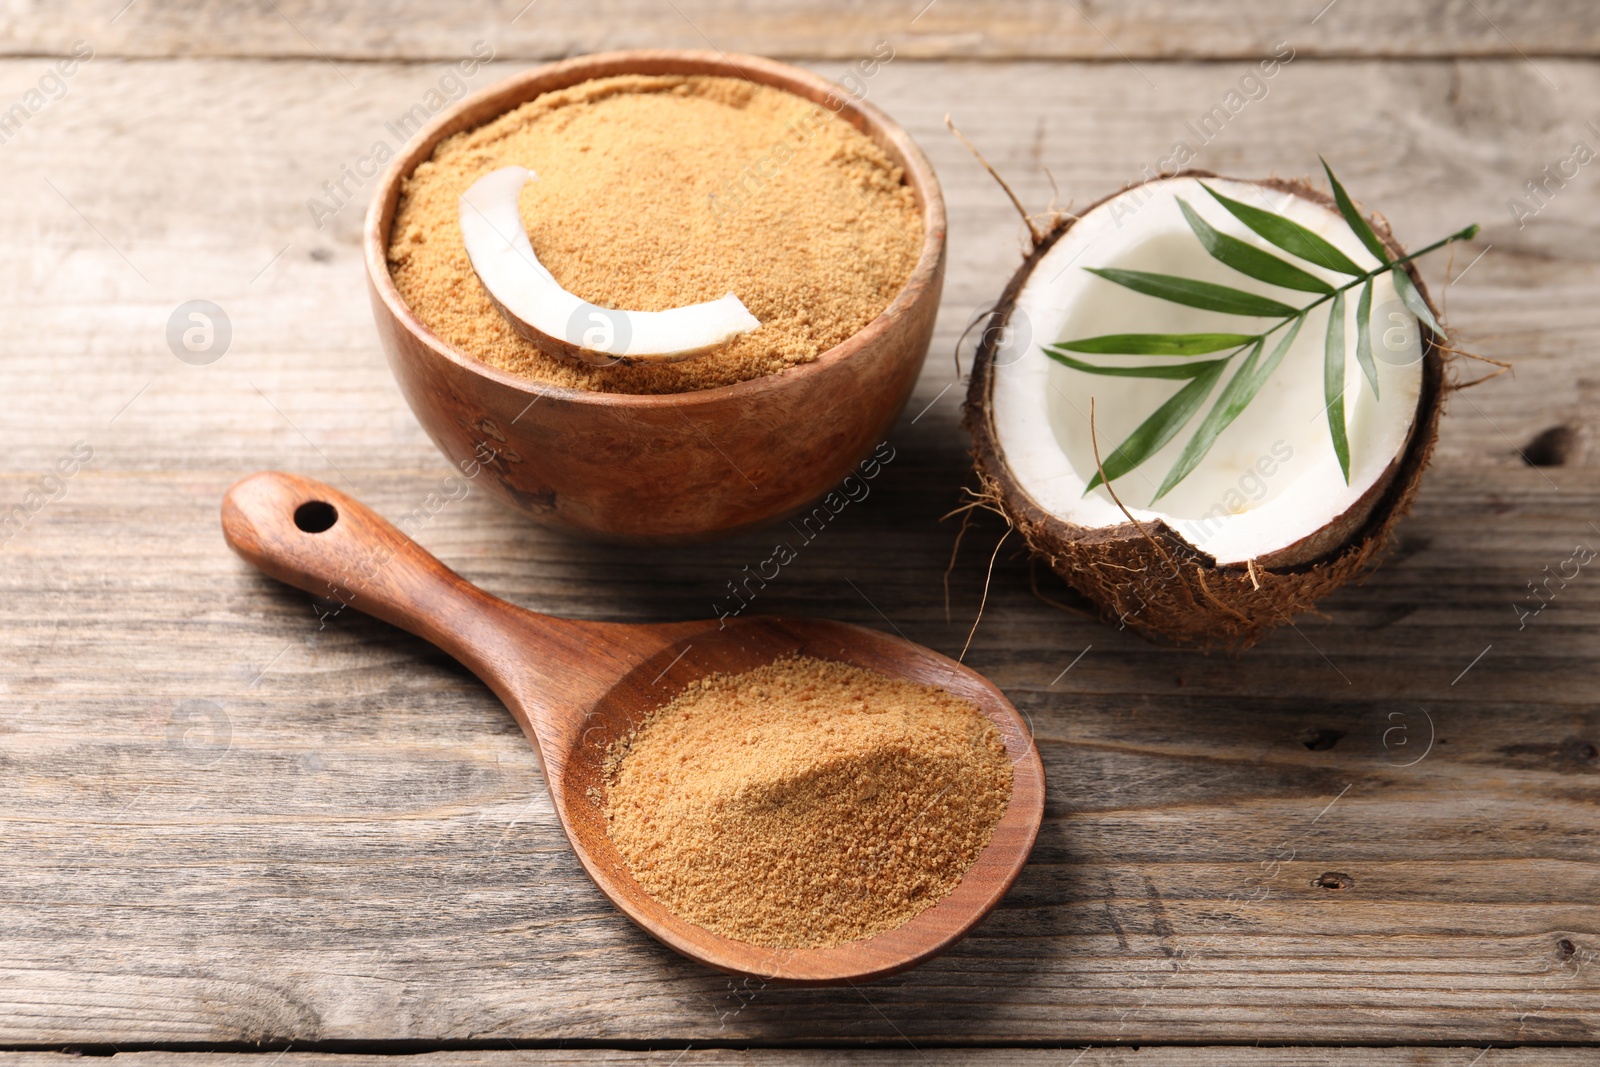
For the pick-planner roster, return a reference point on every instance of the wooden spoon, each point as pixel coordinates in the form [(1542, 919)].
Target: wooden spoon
[(575, 687)]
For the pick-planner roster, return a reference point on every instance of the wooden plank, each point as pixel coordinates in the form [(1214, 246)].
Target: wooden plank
[(228, 821), (1130, 30), (1103, 1056)]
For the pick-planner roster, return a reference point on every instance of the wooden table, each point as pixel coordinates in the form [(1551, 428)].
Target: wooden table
[(231, 827)]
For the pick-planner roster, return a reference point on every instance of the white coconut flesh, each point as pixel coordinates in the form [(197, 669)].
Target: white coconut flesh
[(497, 243), (1272, 477)]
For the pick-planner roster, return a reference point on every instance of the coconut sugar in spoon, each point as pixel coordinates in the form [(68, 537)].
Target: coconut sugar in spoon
[(576, 687)]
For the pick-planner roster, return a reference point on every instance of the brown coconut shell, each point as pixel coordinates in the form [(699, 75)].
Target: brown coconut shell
[(1146, 576)]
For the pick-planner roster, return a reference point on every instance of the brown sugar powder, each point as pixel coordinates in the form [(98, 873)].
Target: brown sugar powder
[(806, 803), (659, 191)]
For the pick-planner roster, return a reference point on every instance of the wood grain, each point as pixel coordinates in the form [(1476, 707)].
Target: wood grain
[(1130, 30), (1102, 1056), (231, 814)]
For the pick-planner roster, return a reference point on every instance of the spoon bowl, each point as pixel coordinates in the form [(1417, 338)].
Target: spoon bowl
[(576, 687)]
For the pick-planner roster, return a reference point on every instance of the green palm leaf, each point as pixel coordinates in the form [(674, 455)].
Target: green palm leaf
[(1288, 235), (1333, 384), (1224, 411), (1236, 396), (1159, 370), (1204, 295), (1243, 387), (1364, 336), (1248, 259), (1279, 352), (1353, 218), (1160, 427), (1156, 344), (1413, 300)]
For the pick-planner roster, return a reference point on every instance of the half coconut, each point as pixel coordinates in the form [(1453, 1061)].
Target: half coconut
[(1271, 516)]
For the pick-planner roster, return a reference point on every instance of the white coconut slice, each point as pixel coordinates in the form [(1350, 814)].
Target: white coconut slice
[(561, 323), (1272, 478), (1267, 522)]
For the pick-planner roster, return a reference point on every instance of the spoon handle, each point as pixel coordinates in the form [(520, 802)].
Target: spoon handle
[(310, 535)]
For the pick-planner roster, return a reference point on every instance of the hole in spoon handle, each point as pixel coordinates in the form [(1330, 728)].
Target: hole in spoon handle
[(312, 536), (315, 516)]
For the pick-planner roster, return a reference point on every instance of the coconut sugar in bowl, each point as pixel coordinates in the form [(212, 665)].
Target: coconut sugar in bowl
[(639, 452)]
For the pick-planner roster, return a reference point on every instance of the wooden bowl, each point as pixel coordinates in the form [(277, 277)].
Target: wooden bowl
[(681, 466)]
